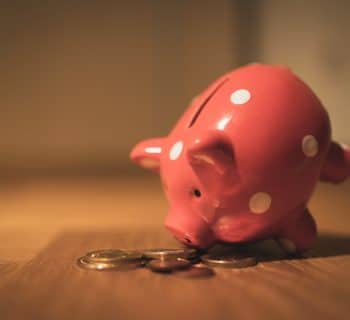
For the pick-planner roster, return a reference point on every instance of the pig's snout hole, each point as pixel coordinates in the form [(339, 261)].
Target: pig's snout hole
[(187, 240), (183, 236)]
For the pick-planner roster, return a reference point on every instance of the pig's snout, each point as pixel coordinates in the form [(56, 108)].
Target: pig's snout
[(191, 230), (184, 237)]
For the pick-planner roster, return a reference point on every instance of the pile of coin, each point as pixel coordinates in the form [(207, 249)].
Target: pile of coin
[(184, 262), (111, 259)]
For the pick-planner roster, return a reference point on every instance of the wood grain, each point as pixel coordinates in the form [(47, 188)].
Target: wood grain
[(48, 224), (51, 286)]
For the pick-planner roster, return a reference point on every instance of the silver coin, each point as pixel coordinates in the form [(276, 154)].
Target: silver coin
[(109, 255), (86, 263), (234, 261), (168, 265), (161, 253)]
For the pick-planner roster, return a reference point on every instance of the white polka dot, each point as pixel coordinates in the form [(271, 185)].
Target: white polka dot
[(176, 150), (310, 145), (153, 150), (260, 202), (240, 96), (287, 245)]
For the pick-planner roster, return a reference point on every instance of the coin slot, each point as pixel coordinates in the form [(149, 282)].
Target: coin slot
[(204, 103)]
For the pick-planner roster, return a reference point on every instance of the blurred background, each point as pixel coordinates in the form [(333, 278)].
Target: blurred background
[(83, 81)]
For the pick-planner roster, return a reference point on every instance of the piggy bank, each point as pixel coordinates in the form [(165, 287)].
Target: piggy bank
[(242, 162)]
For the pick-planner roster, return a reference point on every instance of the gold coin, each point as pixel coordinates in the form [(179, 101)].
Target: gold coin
[(168, 265), (234, 261), (86, 263), (109, 255), (160, 253)]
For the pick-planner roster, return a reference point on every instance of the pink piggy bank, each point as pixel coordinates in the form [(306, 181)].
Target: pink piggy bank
[(243, 161)]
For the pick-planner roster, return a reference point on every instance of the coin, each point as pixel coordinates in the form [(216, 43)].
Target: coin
[(168, 265), (109, 255), (122, 264), (234, 261), (197, 271), (167, 253), (86, 264)]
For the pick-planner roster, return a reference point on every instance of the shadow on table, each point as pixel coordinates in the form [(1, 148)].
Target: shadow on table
[(327, 245)]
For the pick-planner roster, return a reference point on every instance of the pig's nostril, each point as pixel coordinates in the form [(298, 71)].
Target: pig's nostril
[(187, 240)]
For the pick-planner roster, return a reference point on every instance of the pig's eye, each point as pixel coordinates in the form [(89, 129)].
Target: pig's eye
[(197, 193)]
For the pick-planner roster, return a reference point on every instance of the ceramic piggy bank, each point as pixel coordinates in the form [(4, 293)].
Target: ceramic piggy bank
[(242, 162)]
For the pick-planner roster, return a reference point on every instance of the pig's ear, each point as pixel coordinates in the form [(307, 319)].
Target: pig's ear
[(213, 160), (147, 153)]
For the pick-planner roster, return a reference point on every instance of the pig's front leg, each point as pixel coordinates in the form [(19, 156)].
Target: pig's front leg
[(299, 234)]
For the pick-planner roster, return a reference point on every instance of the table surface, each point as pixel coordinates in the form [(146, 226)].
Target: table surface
[(45, 224)]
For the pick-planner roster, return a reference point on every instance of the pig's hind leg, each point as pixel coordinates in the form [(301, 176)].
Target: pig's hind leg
[(299, 234)]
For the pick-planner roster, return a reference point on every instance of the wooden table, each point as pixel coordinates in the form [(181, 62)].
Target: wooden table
[(45, 224)]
